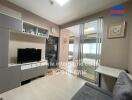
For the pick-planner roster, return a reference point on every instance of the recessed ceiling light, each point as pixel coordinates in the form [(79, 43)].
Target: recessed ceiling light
[(61, 2), (90, 29)]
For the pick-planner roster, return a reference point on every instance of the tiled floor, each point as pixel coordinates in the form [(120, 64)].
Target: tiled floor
[(59, 86)]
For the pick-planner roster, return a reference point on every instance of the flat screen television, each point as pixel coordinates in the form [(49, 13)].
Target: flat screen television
[(28, 55)]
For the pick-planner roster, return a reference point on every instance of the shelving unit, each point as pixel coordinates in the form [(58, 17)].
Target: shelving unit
[(29, 35), (34, 30), (12, 37)]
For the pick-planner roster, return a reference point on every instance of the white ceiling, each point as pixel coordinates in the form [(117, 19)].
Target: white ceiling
[(73, 10)]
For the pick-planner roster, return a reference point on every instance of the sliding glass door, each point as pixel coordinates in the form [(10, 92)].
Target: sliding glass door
[(90, 48)]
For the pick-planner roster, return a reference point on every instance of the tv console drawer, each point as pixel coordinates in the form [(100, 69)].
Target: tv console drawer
[(33, 70), (34, 65), (24, 67)]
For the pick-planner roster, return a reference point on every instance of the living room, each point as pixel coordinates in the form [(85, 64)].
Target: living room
[(56, 50)]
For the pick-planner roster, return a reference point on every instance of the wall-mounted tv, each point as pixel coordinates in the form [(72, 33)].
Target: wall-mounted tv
[(28, 55)]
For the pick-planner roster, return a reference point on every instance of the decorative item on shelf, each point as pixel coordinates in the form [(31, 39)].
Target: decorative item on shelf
[(23, 30), (117, 30), (53, 30), (34, 30), (31, 32), (41, 34)]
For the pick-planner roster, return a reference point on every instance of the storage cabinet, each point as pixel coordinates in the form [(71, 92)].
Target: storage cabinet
[(7, 24), (34, 30), (42, 32), (42, 70), (33, 70), (10, 23), (12, 75), (4, 46), (25, 72), (9, 78)]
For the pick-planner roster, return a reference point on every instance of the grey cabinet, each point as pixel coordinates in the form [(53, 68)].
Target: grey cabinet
[(9, 78), (42, 70), (26, 75), (31, 73), (7, 24), (10, 23), (4, 47)]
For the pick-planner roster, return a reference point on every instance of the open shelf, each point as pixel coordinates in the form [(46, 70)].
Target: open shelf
[(34, 30), (28, 34)]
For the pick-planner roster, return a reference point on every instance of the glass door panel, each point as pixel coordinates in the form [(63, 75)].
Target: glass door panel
[(89, 49)]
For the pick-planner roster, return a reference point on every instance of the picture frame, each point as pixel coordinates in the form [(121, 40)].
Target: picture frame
[(117, 30)]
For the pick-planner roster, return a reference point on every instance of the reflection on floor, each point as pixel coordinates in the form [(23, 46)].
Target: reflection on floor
[(59, 86), (54, 71), (71, 67), (89, 76), (88, 69)]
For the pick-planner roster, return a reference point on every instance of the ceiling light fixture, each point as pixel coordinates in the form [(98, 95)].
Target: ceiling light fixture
[(51, 2), (61, 2), (90, 29)]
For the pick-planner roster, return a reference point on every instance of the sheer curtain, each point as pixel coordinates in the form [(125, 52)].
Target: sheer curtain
[(99, 40)]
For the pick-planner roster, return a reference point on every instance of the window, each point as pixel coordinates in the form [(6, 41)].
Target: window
[(89, 48), (71, 47)]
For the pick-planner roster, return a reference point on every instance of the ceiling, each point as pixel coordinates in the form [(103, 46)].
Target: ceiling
[(73, 10)]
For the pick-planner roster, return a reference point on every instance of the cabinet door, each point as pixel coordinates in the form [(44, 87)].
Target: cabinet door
[(42, 70), (9, 78), (26, 75), (4, 46), (10, 23), (34, 72), (26, 72)]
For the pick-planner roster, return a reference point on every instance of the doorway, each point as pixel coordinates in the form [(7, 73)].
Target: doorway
[(72, 66)]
